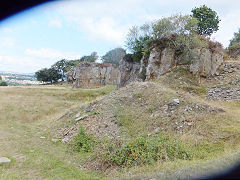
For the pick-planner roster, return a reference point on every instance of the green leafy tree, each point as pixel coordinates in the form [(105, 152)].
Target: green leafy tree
[(140, 39), (0, 78), (61, 66), (208, 20), (114, 56), (234, 46), (48, 75)]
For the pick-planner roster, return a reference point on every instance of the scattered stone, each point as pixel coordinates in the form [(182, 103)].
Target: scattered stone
[(42, 137), (224, 93), (176, 101), (189, 123), (87, 109), (54, 140), (78, 115), (65, 139), (80, 118), (4, 160), (31, 150), (157, 130)]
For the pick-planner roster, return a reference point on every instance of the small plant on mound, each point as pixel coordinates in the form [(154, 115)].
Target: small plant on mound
[(83, 142), (145, 150)]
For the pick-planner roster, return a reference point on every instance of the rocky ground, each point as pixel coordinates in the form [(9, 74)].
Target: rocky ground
[(227, 83)]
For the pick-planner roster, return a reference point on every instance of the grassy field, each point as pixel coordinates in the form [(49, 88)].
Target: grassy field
[(31, 115), (26, 117)]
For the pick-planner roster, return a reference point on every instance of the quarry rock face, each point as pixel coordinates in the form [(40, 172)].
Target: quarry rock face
[(206, 62), (160, 62), (86, 74), (129, 71), (203, 62)]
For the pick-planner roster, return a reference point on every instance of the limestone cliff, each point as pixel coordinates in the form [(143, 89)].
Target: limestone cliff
[(203, 62), (87, 74)]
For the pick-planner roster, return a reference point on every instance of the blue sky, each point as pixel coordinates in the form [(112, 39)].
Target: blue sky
[(40, 36)]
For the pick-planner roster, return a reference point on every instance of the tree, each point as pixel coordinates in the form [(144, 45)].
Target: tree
[(0, 78), (72, 63), (208, 20), (61, 66), (3, 83), (48, 75), (234, 46), (140, 39), (114, 56), (236, 38), (91, 58)]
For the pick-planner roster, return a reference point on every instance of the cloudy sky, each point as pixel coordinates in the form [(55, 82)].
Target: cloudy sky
[(69, 29)]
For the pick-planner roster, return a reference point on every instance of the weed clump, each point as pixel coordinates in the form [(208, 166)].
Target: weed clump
[(83, 142)]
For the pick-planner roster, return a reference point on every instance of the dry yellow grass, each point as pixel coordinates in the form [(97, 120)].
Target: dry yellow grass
[(26, 114)]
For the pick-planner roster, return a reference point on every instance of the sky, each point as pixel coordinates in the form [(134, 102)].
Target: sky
[(38, 37)]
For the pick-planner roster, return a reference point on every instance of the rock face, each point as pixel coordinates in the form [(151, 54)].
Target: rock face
[(206, 62), (203, 62), (160, 62), (87, 74), (129, 71)]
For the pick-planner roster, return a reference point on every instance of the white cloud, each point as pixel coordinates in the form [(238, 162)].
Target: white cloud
[(33, 60), (55, 23), (108, 20), (52, 54), (229, 24), (7, 42), (7, 30), (18, 64)]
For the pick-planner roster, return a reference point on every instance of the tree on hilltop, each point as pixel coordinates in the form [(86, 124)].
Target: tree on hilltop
[(208, 20), (114, 56)]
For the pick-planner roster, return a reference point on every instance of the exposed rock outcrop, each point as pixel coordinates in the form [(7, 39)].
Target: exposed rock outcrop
[(87, 74), (203, 62), (129, 71), (206, 62)]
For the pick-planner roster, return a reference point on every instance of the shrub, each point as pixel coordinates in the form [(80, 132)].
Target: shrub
[(83, 142), (145, 150), (3, 83)]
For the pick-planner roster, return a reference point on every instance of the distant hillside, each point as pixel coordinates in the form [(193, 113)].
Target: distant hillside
[(18, 79)]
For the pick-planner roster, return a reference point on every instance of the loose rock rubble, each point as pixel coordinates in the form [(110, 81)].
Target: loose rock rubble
[(224, 94)]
